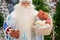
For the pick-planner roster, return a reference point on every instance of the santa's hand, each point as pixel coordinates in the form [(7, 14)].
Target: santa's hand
[(14, 33), (10, 30), (7, 31)]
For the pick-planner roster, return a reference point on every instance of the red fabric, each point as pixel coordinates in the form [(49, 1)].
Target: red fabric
[(42, 15)]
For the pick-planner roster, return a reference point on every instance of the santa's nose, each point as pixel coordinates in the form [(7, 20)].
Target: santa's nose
[(26, 5)]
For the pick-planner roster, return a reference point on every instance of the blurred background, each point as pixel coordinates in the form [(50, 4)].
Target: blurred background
[(50, 6)]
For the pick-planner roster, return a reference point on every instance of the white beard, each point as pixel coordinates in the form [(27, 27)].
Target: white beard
[(24, 19), (20, 10)]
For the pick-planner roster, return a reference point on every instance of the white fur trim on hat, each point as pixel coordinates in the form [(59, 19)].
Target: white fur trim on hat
[(25, 0)]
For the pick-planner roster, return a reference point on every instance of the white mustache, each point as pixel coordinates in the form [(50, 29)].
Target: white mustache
[(19, 6)]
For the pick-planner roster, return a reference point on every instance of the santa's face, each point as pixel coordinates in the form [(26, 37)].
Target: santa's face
[(26, 4)]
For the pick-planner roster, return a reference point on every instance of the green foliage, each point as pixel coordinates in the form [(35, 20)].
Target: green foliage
[(48, 37), (1, 20), (57, 21), (40, 5)]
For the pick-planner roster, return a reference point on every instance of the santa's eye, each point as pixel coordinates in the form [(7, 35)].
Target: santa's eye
[(27, 3)]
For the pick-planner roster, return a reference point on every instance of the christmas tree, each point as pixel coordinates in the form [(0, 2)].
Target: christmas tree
[(1, 20), (57, 21), (41, 5)]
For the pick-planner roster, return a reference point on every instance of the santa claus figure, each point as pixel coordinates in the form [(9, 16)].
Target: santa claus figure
[(19, 25)]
